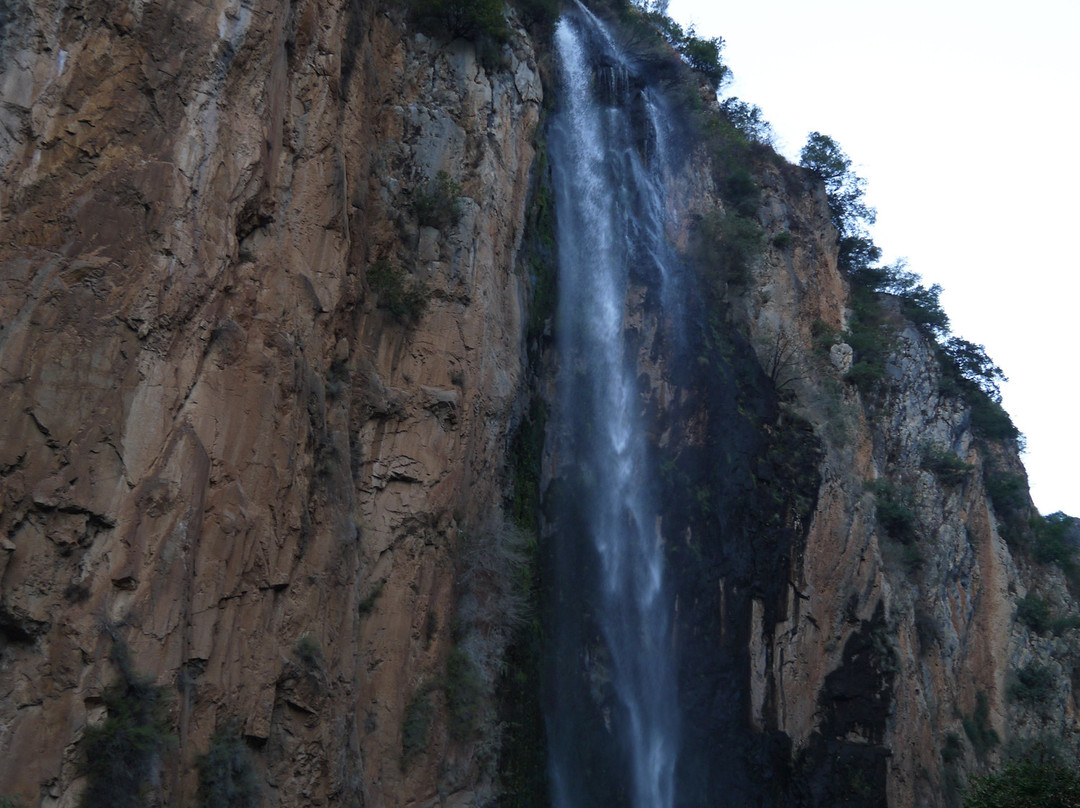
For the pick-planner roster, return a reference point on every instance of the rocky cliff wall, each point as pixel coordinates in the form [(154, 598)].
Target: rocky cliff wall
[(260, 366), (914, 616), (227, 442)]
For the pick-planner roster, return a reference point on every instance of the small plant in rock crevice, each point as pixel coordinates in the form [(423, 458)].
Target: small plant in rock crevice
[(983, 737), (309, 651), (945, 464), (404, 297), (416, 725), (1034, 684), (436, 204)]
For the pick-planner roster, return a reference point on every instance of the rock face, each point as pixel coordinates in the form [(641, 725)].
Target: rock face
[(219, 445), (914, 617), (262, 330)]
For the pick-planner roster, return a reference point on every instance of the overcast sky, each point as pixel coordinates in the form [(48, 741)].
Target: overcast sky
[(963, 117)]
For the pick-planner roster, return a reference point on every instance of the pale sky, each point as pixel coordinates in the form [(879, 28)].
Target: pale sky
[(962, 116)]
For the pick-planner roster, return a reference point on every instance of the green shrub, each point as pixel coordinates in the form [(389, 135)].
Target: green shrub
[(1008, 492), (468, 19), (1026, 784), (870, 340), (1069, 622), (437, 205), (227, 776), (308, 651), (464, 695), (982, 736), (724, 246), (989, 419), (541, 14), (1033, 612), (122, 752), (1055, 540), (404, 297), (944, 464), (844, 189), (367, 604), (894, 511), (748, 119), (704, 56), (953, 749), (416, 726), (1034, 684), (782, 240)]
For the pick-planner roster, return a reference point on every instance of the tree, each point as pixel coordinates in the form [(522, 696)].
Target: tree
[(1027, 784), (825, 159), (972, 363), (748, 119), (704, 56)]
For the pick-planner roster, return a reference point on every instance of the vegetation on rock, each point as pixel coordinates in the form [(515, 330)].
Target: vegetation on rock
[(227, 776), (1026, 784), (404, 297), (121, 755)]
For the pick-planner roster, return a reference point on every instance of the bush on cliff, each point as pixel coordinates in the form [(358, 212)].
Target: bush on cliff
[(226, 773), (404, 297), (122, 753), (1026, 784)]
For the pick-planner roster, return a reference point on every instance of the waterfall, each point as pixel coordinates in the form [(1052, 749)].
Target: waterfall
[(612, 712)]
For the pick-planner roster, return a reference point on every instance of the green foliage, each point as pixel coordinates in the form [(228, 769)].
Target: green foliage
[(749, 120), (990, 421), (782, 241), (967, 361), (703, 55), (464, 695), (870, 338), (11, 802), (308, 651), (968, 372), (1034, 684), (976, 726), (482, 21), (416, 726), (367, 604), (1033, 612), (539, 255), (966, 369), (122, 752), (953, 749), (844, 189), (404, 297), (1008, 492), (227, 776), (436, 204), (1026, 784), (944, 464), (1055, 540), (724, 245), (538, 14), (894, 511), (526, 450), (920, 305)]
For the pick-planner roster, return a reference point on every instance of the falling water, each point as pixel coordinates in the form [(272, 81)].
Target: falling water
[(613, 627)]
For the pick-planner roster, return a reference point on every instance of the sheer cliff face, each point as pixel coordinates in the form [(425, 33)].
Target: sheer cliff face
[(214, 440), (894, 655)]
